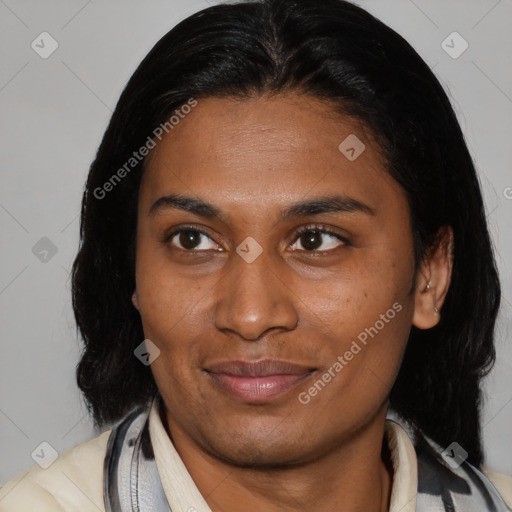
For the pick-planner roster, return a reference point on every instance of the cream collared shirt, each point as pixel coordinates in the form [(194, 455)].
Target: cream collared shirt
[(74, 482)]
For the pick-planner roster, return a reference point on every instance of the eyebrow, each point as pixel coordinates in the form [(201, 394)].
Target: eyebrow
[(315, 206)]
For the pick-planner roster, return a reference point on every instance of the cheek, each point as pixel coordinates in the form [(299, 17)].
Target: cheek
[(166, 300), (356, 293), (362, 361), (173, 319), (364, 314)]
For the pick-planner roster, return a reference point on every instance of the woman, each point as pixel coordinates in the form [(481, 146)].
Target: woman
[(283, 241)]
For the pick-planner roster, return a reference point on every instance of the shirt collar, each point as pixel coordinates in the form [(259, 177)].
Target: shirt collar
[(183, 495)]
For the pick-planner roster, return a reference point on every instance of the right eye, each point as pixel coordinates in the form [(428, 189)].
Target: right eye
[(191, 239)]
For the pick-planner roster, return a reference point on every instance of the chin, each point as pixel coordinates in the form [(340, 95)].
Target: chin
[(256, 449), (255, 456)]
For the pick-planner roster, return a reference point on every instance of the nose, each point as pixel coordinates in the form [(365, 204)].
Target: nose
[(253, 298)]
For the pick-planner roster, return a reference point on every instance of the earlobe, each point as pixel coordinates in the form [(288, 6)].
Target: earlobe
[(434, 281), (135, 302), (426, 311)]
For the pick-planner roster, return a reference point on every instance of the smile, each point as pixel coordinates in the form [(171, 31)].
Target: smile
[(257, 382)]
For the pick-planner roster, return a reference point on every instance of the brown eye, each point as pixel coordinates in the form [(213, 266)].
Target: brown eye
[(189, 239), (314, 239), (192, 240), (311, 240)]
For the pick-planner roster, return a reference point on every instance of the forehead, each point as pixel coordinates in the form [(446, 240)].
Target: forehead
[(259, 149)]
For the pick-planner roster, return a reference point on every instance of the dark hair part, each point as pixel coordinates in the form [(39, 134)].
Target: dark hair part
[(332, 50)]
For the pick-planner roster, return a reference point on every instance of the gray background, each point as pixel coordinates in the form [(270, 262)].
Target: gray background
[(54, 112)]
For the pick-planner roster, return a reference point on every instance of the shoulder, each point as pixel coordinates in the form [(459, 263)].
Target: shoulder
[(502, 483), (73, 482), (446, 478)]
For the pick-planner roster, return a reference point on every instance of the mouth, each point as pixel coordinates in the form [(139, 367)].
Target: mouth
[(257, 382)]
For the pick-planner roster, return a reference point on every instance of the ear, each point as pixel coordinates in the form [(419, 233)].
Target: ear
[(135, 302), (433, 280)]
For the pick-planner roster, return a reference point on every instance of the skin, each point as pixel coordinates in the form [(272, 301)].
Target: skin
[(251, 159)]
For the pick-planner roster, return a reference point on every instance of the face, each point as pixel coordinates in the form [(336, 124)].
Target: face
[(287, 249)]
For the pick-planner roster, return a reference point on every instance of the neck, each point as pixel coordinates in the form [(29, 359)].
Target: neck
[(353, 476)]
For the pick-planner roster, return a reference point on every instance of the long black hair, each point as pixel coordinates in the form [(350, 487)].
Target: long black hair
[(332, 50)]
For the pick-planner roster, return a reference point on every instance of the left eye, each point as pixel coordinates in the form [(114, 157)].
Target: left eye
[(313, 239)]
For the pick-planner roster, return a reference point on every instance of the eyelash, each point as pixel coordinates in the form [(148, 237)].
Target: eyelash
[(306, 229), (322, 230)]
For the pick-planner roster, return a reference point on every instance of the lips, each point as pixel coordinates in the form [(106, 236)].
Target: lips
[(258, 381)]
